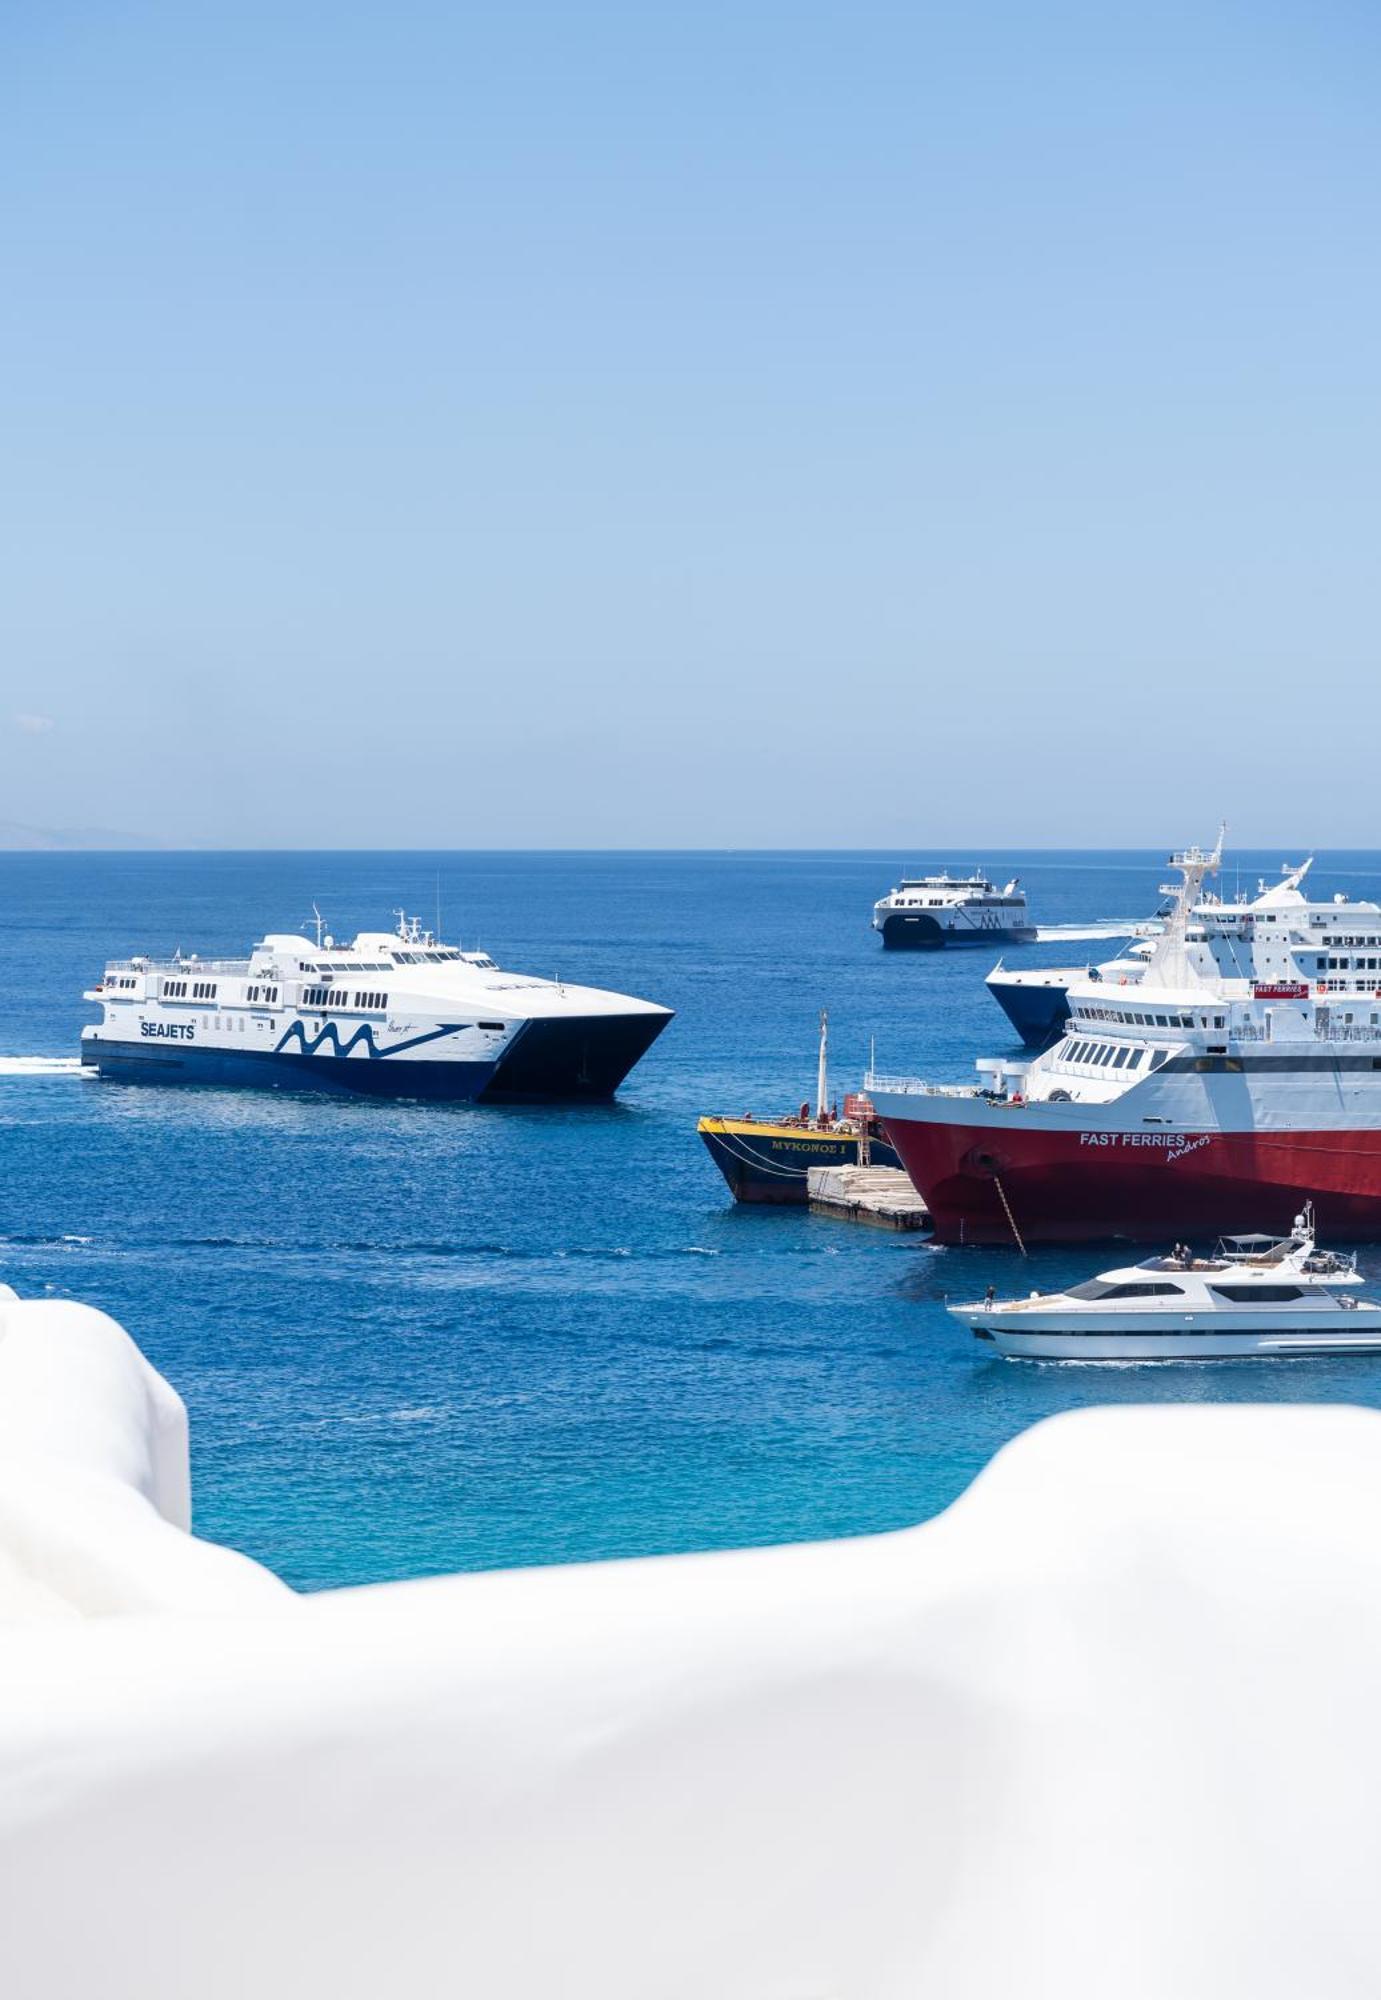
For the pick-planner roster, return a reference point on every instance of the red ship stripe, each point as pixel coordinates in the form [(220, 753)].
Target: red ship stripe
[(1073, 1187)]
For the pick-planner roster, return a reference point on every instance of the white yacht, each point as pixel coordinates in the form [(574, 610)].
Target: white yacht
[(928, 912), (395, 1014), (1256, 1295)]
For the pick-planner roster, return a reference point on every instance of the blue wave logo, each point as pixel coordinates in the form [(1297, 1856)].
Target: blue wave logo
[(330, 1034)]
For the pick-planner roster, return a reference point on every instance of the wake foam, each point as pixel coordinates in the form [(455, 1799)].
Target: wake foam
[(40, 1066), (1109, 927)]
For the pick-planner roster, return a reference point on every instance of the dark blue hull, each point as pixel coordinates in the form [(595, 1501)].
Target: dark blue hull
[(546, 1062), (568, 1060), (1037, 1012), (917, 931), (130, 1062)]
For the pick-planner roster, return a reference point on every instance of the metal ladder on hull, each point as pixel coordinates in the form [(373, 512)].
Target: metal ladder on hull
[(1007, 1211)]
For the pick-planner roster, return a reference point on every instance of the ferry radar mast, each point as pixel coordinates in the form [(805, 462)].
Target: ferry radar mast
[(1170, 959)]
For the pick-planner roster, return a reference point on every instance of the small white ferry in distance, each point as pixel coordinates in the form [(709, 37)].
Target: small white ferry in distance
[(1256, 1295), (395, 1014), (929, 912)]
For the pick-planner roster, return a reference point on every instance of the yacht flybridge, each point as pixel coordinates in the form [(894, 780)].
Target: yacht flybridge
[(1256, 1295), (395, 1014)]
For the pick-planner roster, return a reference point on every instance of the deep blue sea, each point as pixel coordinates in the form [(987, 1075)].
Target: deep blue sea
[(418, 1338)]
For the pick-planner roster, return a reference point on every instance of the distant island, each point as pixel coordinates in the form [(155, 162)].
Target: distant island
[(50, 840)]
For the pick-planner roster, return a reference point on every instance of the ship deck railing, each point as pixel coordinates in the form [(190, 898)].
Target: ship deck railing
[(916, 1086), (193, 967)]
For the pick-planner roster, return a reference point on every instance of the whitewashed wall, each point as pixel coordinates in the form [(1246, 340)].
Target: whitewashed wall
[(1108, 1727)]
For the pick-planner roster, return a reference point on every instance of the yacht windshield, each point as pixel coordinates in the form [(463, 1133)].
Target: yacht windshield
[(1101, 1288)]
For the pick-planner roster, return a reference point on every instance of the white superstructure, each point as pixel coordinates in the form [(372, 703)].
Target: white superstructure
[(1035, 1000), (395, 1013), (1255, 1296)]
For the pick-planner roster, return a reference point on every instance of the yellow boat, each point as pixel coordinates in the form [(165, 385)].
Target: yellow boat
[(767, 1159)]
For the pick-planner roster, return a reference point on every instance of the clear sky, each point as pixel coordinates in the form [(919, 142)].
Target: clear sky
[(717, 424)]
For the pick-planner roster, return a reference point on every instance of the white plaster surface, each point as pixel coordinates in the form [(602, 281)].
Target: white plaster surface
[(1108, 1727)]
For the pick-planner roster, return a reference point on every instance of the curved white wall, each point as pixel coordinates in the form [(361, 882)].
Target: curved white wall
[(1107, 1727)]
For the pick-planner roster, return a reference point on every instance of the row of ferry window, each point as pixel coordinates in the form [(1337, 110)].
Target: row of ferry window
[(205, 989), (380, 965), (1116, 1055), (1348, 964), (346, 965), (328, 997), (1121, 1015)]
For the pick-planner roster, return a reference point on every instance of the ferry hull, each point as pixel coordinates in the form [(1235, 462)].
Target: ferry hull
[(546, 1062), (985, 1183), (132, 1062), (1037, 1012), (551, 1060), (917, 931), (768, 1164)]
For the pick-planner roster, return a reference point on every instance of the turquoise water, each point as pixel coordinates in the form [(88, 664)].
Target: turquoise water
[(424, 1338)]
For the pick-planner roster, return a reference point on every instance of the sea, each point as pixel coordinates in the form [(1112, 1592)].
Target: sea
[(420, 1338)]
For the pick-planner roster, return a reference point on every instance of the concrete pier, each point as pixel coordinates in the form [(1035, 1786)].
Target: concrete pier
[(882, 1196)]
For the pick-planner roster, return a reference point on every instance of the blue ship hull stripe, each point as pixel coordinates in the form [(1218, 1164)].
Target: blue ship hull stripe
[(364, 1033)]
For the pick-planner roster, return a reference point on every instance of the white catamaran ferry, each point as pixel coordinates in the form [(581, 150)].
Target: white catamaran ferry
[(928, 912), (395, 1014)]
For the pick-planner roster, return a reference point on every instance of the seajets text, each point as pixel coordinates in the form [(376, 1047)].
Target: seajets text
[(168, 1031)]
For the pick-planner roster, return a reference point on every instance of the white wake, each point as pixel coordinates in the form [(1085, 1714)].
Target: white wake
[(1108, 928), (40, 1066)]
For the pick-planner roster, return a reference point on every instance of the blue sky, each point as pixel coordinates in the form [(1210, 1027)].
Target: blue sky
[(731, 425)]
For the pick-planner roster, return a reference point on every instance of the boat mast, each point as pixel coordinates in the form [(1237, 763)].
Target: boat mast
[(822, 1078)]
